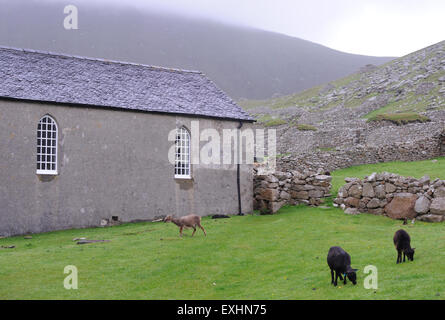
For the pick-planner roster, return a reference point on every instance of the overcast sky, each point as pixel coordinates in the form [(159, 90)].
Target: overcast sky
[(370, 27)]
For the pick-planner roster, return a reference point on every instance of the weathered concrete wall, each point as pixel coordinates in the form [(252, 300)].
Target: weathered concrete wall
[(111, 163)]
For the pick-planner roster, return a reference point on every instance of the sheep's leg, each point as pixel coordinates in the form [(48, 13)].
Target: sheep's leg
[(332, 276), (399, 256), (404, 256), (180, 231), (199, 225), (344, 282), (341, 277), (194, 230), (336, 277)]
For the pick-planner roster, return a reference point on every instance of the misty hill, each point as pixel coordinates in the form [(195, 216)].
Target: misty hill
[(399, 103), (245, 62), (414, 83)]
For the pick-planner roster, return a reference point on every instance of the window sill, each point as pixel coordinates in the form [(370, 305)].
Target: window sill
[(47, 172), (183, 178)]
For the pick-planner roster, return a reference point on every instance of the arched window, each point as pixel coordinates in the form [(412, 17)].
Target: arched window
[(182, 154), (47, 146)]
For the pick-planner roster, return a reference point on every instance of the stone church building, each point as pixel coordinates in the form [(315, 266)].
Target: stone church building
[(85, 140)]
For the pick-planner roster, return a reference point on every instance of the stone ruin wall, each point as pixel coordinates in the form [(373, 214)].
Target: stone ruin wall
[(350, 147), (394, 196), (272, 191)]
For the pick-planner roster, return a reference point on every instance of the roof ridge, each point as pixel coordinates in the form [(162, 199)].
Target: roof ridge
[(65, 55)]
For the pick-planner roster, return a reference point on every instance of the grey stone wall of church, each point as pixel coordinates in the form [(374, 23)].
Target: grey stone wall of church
[(111, 163)]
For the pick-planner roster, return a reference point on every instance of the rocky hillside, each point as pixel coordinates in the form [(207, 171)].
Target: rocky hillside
[(395, 111)]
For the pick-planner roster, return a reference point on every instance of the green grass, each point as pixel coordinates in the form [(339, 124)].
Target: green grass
[(252, 257), (269, 121), (275, 122), (306, 127), (399, 118)]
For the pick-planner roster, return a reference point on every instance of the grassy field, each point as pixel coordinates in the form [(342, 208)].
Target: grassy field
[(252, 257)]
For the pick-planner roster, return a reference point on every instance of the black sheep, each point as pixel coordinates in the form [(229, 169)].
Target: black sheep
[(340, 262), (402, 242)]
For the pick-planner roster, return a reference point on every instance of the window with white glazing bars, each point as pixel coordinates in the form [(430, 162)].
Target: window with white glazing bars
[(47, 146), (182, 154)]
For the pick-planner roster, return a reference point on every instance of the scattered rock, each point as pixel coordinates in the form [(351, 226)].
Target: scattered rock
[(390, 188), (431, 218), (272, 179), (275, 206), (377, 211), (284, 195), (352, 211), (374, 203), (352, 202), (355, 191), (316, 194), (380, 192), (439, 192), (304, 195), (368, 190), (424, 180), (372, 177), (91, 241), (438, 206), (402, 206), (323, 178), (269, 194), (422, 205)]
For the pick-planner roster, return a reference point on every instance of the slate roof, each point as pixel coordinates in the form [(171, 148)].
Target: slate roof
[(51, 77)]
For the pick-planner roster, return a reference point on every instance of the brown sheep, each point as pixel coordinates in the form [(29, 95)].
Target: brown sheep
[(190, 221)]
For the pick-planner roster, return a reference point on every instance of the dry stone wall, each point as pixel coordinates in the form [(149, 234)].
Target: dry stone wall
[(394, 196), (272, 191), (375, 150)]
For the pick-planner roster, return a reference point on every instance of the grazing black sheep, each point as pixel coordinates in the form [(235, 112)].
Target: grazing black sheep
[(402, 242), (340, 262)]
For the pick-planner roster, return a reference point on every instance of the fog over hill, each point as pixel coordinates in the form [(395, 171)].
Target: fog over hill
[(245, 62), (395, 112)]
